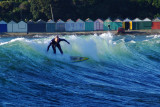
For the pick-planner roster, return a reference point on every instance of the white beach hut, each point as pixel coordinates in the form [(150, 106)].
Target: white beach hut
[(136, 20), (79, 25), (12, 26), (69, 25), (22, 27)]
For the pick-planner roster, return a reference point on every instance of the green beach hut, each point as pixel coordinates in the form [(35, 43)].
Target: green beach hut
[(136, 24), (117, 24), (89, 25), (107, 23), (146, 24)]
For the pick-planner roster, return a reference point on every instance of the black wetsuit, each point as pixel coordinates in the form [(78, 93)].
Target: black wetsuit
[(56, 44)]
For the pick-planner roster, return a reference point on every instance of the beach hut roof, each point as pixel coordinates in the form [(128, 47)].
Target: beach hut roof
[(88, 20), (108, 20), (126, 20), (99, 20), (118, 20), (30, 21), (21, 22), (2, 22), (60, 21), (79, 20), (146, 19), (50, 21), (136, 20), (70, 21), (156, 19), (41, 21), (12, 22)]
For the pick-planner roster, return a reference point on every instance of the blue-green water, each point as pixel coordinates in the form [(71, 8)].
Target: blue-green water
[(121, 71)]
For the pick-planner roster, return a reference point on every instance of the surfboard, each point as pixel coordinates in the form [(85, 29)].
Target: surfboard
[(78, 59)]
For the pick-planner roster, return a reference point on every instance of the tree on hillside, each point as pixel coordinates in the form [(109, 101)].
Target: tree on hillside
[(74, 9), (25, 10), (6, 9)]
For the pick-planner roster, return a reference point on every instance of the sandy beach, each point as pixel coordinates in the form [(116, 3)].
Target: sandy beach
[(127, 32)]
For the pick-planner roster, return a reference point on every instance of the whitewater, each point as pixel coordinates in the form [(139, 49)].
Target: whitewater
[(121, 71)]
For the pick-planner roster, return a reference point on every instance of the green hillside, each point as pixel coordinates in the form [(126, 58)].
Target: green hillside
[(63, 9)]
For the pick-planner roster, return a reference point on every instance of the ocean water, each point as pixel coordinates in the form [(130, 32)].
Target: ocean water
[(121, 71)]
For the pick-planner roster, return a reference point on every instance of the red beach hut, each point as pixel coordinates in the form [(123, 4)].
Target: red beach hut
[(156, 23)]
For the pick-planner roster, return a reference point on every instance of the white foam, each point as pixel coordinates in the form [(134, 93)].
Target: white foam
[(157, 36), (13, 40), (153, 36), (92, 46), (132, 41)]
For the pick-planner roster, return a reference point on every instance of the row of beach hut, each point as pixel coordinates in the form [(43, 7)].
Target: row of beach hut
[(79, 25)]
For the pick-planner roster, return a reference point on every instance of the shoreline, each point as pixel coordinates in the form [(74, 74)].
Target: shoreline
[(127, 32)]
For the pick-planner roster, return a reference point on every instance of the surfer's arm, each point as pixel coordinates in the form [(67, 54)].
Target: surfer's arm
[(49, 46), (64, 40)]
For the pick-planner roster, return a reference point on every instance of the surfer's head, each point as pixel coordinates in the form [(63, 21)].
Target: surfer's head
[(57, 38)]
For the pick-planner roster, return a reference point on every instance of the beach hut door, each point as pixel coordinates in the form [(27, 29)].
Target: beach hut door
[(97, 26)]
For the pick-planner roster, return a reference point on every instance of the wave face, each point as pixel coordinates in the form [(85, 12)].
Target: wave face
[(121, 71)]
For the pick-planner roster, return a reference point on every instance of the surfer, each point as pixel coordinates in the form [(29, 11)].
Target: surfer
[(109, 27), (55, 42)]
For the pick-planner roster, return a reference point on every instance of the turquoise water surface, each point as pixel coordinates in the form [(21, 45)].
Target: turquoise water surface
[(121, 71)]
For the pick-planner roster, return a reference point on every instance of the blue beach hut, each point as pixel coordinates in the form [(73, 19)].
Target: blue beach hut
[(3, 26), (60, 26), (50, 26), (98, 25), (69, 25), (79, 25), (31, 26), (41, 26), (22, 27), (17, 27), (12, 26)]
